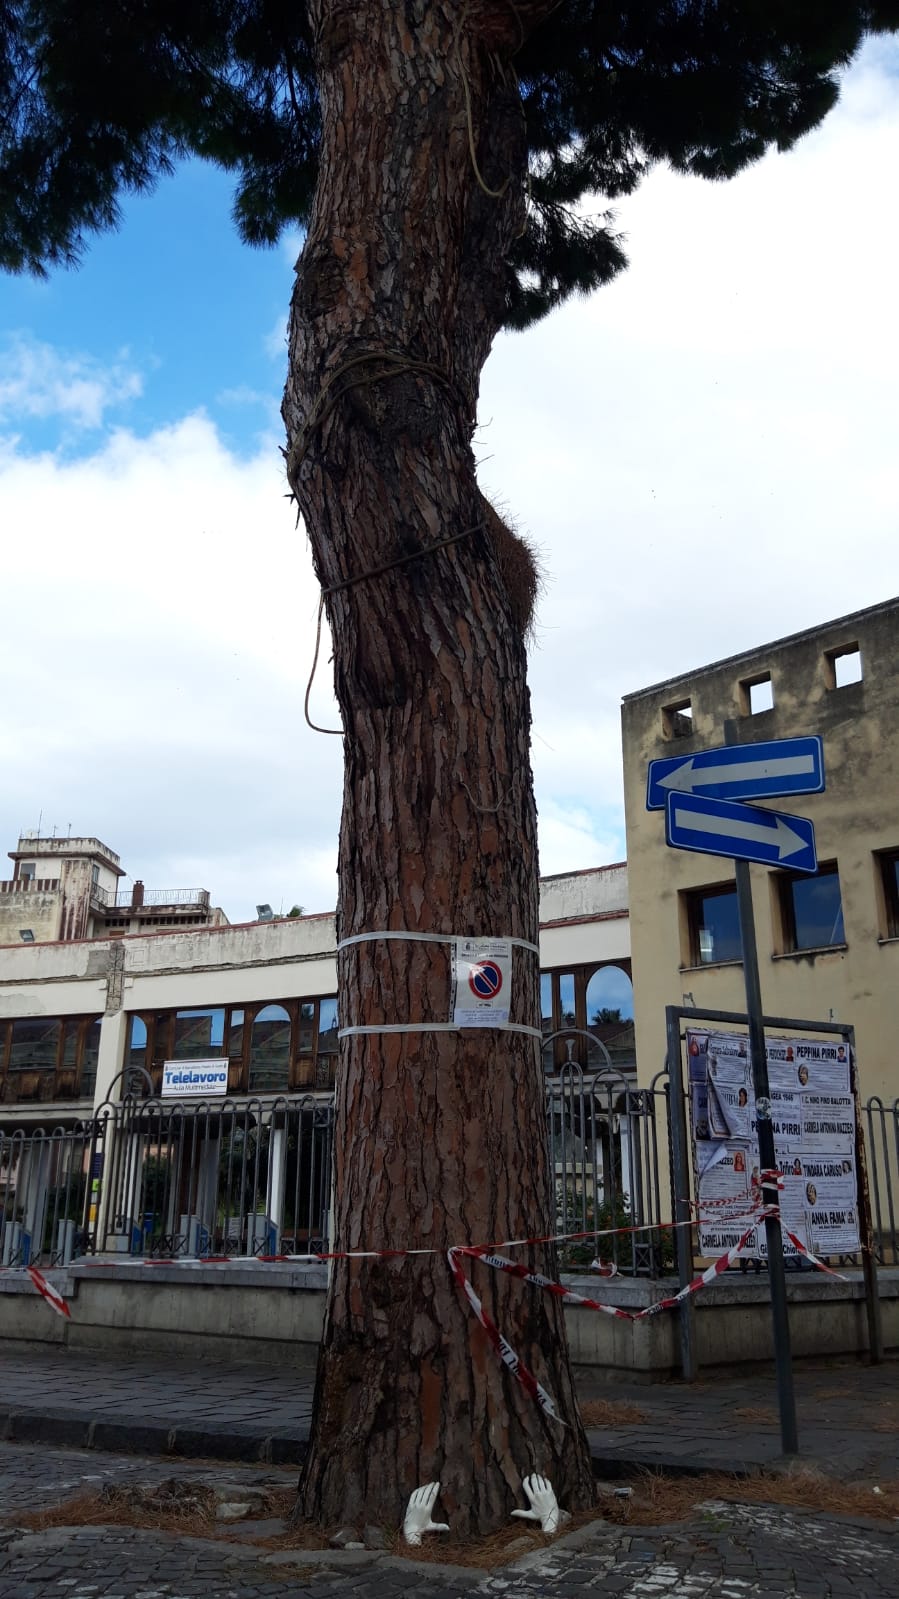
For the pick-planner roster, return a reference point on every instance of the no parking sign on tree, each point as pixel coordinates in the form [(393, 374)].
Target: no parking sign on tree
[(482, 979)]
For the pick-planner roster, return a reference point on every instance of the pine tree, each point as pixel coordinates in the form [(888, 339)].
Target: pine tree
[(443, 158)]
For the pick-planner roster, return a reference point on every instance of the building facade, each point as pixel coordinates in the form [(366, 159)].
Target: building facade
[(263, 996), (71, 888), (828, 944)]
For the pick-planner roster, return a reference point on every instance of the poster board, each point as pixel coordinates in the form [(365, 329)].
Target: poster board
[(814, 1122)]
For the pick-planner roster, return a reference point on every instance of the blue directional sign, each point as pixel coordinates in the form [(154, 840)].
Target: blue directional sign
[(721, 827), (740, 771)]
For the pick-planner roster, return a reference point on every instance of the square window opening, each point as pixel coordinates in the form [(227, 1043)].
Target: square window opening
[(844, 666), (677, 719), (757, 695)]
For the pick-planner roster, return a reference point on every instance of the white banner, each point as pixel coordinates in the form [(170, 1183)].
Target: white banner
[(194, 1079)]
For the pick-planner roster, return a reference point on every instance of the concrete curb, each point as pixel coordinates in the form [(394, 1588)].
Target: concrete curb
[(61, 1431), (71, 1430)]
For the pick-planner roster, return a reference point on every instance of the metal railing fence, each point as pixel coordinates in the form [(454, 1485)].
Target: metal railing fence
[(146, 1177), (880, 1124)]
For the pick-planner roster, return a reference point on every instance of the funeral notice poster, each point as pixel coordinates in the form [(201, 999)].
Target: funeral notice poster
[(814, 1124)]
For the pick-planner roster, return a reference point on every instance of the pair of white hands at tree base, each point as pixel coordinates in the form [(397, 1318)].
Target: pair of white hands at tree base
[(544, 1507)]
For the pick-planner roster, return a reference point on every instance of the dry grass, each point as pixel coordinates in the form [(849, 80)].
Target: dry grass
[(762, 1415), (611, 1413), (658, 1499), (188, 1510), (171, 1507)]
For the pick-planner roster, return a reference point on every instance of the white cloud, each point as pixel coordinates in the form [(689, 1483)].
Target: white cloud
[(38, 381), (576, 834), (155, 668), (705, 451)]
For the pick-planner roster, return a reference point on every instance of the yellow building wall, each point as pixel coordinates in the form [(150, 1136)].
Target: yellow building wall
[(856, 816)]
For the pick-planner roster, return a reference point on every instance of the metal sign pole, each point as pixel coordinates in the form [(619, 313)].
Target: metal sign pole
[(776, 1274), (780, 1321)]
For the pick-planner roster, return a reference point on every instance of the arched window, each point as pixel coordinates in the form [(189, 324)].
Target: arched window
[(610, 997), (610, 1018), (270, 1051)]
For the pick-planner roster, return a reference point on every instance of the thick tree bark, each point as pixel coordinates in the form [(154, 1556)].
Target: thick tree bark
[(440, 1136)]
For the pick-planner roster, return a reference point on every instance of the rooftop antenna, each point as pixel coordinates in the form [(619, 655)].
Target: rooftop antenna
[(69, 834), (53, 835), (39, 820)]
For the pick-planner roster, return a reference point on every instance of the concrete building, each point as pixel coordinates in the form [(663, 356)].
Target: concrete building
[(71, 888), (75, 1015), (828, 944)]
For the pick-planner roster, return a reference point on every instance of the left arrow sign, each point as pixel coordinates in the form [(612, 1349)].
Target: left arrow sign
[(766, 770), (721, 827)]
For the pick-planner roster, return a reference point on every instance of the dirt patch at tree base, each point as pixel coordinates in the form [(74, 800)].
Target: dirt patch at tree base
[(190, 1509)]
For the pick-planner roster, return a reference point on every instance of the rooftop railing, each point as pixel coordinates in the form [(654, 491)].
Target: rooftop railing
[(123, 898)]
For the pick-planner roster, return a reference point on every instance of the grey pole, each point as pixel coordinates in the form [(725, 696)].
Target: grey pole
[(780, 1320)]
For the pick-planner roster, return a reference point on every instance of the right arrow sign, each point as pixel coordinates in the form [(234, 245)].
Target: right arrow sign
[(720, 827), (740, 771)]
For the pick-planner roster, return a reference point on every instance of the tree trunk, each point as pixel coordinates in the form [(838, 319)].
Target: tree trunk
[(441, 1136)]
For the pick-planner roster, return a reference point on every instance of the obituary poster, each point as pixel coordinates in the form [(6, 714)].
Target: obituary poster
[(814, 1125)]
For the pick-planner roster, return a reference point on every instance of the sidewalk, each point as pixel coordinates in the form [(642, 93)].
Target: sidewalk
[(141, 1404)]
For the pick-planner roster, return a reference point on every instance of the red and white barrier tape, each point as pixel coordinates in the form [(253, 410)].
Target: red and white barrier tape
[(52, 1295), (568, 1296), (507, 1355)]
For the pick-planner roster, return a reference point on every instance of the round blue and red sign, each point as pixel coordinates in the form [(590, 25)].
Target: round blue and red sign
[(485, 980)]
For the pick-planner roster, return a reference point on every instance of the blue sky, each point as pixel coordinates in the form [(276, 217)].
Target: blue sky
[(175, 295), (703, 454)]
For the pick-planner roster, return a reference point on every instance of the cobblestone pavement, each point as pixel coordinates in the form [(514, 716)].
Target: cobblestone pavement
[(847, 1412), (724, 1552)]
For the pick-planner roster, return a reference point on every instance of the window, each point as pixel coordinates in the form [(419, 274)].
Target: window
[(236, 1035), (326, 1060), (89, 1058), (677, 719), (35, 1044), (597, 999), (712, 926), (756, 694), (567, 1011), (888, 867), (811, 910), (49, 1057), (844, 666), (136, 1054), (27, 871), (610, 997), (199, 1033), (546, 1003), (270, 1051)]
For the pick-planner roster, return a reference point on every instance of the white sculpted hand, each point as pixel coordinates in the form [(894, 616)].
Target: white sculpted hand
[(417, 1519), (544, 1504)]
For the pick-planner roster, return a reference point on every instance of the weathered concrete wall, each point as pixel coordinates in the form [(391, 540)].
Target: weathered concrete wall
[(35, 908), (856, 816), (601, 890), (274, 1312)]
